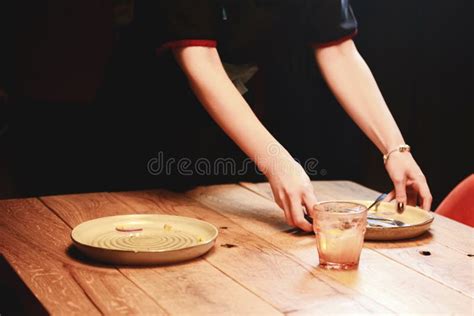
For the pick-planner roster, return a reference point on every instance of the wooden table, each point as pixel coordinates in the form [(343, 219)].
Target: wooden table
[(258, 266)]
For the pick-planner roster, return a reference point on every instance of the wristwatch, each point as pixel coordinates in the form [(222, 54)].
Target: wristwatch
[(401, 148)]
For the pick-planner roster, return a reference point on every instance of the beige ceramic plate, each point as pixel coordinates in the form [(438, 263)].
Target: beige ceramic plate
[(417, 222), (144, 239)]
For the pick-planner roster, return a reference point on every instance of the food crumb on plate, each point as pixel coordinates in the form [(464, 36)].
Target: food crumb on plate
[(125, 229)]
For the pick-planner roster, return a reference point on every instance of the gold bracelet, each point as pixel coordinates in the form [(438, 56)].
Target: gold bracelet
[(401, 148)]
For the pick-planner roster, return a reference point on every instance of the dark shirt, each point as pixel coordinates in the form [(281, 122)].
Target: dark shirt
[(242, 30)]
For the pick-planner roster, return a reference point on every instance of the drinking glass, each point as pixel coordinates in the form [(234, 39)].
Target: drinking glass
[(339, 228)]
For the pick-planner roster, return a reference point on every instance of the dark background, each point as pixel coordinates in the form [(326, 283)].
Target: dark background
[(85, 112)]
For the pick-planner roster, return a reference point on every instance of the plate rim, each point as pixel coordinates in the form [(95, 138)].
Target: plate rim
[(428, 221), (212, 240)]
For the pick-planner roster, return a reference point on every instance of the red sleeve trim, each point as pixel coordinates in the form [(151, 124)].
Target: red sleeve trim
[(335, 42), (185, 43)]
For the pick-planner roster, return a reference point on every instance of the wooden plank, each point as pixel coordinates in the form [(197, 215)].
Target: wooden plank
[(115, 294), (74, 209), (194, 287), (333, 306), (261, 188), (344, 190), (392, 284), (325, 190), (36, 244), (443, 264), (197, 288), (253, 262), (453, 234), (44, 275)]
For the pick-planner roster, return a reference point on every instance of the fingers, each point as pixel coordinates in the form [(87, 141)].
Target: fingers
[(310, 201), (426, 198), (424, 193), (409, 182), (293, 207), (288, 216), (298, 216), (418, 189), (412, 194), (400, 192), (390, 196), (281, 201)]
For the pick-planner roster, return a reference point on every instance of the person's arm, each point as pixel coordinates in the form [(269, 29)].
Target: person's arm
[(209, 81), (354, 86)]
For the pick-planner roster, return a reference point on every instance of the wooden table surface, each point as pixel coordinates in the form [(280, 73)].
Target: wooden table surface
[(271, 270)]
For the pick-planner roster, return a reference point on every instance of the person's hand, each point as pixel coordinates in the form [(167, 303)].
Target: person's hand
[(292, 190), (409, 182)]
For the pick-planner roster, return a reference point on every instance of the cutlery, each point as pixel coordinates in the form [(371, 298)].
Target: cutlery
[(394, 222), (377, 200)]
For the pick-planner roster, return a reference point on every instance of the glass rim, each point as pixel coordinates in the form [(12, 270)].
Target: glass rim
[(363, 209)]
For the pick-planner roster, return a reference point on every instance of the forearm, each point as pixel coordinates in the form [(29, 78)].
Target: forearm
[(227, 107), (354, 86)]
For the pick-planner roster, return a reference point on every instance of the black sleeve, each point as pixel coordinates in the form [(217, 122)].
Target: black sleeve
[(329, 21), (182, 21)]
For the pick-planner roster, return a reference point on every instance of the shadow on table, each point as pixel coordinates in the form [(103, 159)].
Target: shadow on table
[(298, 232), (74, 253)]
